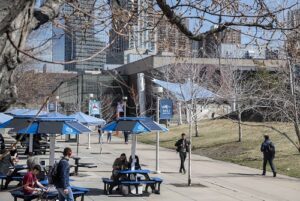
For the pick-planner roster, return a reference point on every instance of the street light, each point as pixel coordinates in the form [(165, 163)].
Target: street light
[(89, 135), (56, 103), (157, 90), (125, 104)]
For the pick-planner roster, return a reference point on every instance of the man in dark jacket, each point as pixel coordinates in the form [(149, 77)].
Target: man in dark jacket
[(182, 148), (2, 143), (268, 150), (63, 173)]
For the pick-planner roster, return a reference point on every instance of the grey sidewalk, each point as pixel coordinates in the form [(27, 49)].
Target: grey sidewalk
[(215, 180)]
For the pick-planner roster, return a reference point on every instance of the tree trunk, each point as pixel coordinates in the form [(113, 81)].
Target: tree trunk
[(240, 125), (296, 117), (195, 120), (17, 31), (18, 19), (190, 150), (297, 130)]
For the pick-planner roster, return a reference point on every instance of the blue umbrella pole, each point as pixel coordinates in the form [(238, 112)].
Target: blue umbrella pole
[(133, 151), (77, 145), (52, 149), (30, 143)]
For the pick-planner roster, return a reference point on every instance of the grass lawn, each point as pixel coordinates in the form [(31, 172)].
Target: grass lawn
[(218, 140)]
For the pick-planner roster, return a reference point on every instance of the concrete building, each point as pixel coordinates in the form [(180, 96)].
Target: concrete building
[(210, 46), (148, 34), (239, 51), (74, 94)]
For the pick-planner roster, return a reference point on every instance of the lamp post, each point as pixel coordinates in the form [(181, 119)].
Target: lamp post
[(125, 104), (157, 90), (56, 103), (89, 135)]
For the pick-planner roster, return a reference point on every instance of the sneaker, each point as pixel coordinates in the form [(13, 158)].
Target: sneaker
[(263, 174), (184, 171), (274, 174)]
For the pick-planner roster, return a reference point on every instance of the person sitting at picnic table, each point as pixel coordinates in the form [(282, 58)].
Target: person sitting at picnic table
[(137, 163), (5, 161), (120, 163), (14, 154), (30, 182), (13, 160)]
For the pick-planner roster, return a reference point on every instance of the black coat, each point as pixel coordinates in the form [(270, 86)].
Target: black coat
[(180, 145)]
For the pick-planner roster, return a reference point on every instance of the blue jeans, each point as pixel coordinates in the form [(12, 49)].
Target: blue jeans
[(62, 196)]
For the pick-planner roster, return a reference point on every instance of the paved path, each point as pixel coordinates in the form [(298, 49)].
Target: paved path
[(214, 180)]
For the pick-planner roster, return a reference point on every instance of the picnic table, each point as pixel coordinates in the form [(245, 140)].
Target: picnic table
[(16, 175), (77, 164), (132, 178), (50, 195)]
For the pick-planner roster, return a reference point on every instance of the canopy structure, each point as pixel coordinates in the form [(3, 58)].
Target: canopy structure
[(186, 91), (4, 118), (87, 119), (135, 125)]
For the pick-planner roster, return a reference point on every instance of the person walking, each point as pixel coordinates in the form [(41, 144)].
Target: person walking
[(126, 134), (63, 173), (182, 148), (2, 142), (100, 134), (268, 149), (109, 133)]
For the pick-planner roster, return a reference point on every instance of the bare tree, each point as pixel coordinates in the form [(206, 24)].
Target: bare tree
[(260, 20), (193, 80), (279, 98), (239, 88)]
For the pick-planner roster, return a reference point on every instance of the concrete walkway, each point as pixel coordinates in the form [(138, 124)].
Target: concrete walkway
[(213, 180)]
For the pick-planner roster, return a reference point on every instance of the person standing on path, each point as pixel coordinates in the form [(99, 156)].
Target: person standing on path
[(126, 134), (2, 142), (63, 173), (182, 148), (109, 133), (100, 134), (268, 149)]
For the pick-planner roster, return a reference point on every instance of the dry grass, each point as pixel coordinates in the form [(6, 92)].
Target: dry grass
[(218, 140)]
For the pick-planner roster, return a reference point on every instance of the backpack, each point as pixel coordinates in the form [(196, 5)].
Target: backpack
[(269, 148), (52, 174)]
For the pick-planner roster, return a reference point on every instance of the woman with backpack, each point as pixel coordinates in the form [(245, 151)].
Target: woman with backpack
[(268, 149)]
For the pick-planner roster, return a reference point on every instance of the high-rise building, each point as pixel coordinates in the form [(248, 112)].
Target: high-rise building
[(147, 34), (293, 37), (210, 45), (81, 40)]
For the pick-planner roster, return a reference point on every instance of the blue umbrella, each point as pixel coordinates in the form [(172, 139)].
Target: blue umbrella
[(51, 123), (87, 119), (16, 111), (135, 125), (4, 118)]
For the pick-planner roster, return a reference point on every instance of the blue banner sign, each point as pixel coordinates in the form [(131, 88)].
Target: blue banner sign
[(165, 109)]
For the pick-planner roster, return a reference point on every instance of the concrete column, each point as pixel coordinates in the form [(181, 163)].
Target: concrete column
[(141, 91)]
